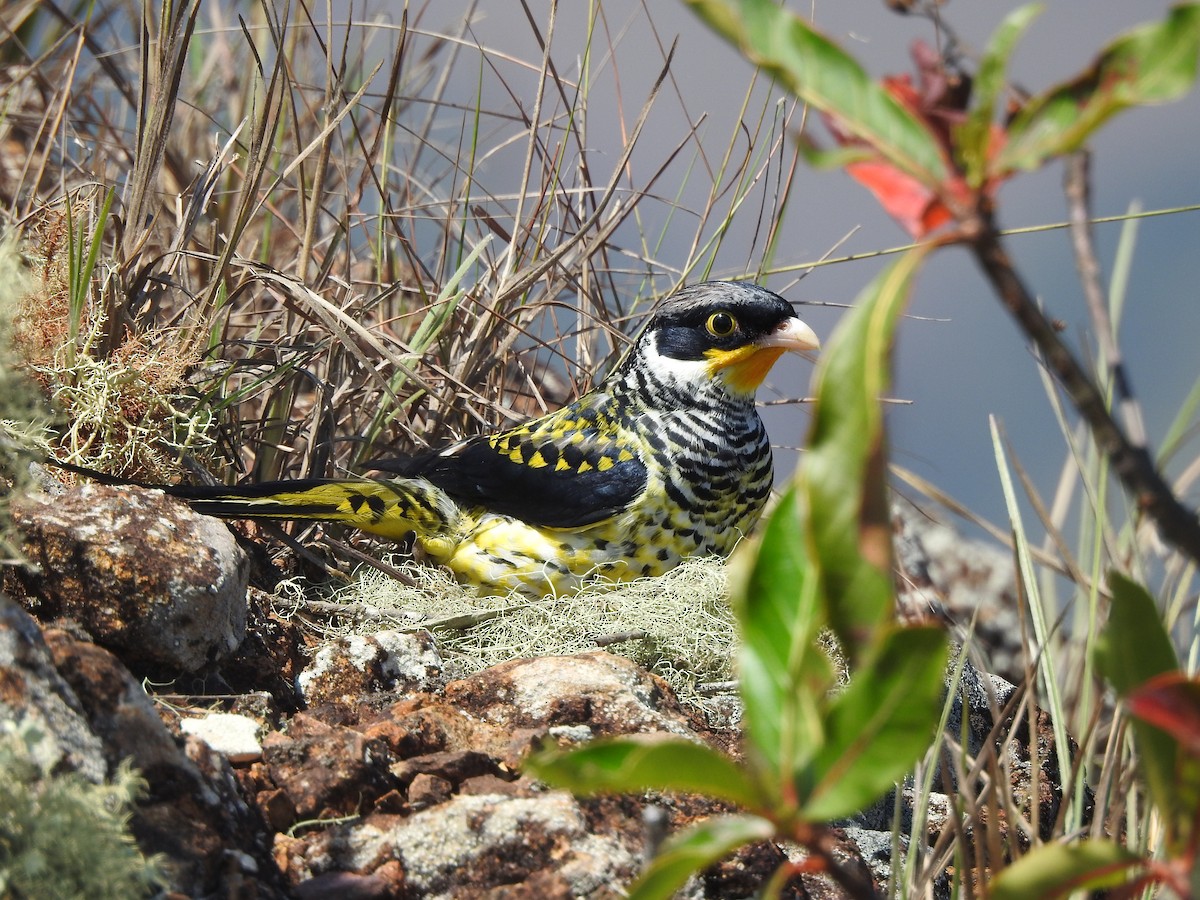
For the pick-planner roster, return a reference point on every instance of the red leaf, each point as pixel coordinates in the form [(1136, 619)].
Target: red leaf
[(939, 99), (915, 207), (1171, 702)]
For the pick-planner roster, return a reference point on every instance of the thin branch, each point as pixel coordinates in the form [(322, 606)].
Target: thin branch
[(1077, 186), (1132, 464), (823, 844)]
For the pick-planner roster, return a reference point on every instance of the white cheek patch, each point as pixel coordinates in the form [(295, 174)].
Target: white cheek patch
[(692, 373)]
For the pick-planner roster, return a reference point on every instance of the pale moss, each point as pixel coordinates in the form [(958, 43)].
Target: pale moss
[(679, 625), (24, 419), (62, 836), (122, 401), (128, 414)]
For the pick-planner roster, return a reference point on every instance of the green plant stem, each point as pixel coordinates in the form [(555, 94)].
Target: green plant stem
[(1133, 465)]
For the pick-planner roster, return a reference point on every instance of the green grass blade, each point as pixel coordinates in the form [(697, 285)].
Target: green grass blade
[(1042, 628)]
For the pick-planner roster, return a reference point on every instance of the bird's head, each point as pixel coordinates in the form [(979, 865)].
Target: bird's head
[(730, 332)]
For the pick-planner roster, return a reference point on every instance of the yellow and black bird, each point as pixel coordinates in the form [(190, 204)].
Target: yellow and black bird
[(666, 459)]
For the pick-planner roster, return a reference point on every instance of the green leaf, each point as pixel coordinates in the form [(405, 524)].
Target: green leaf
[(1154, 63), (881, 724), (646, 762), (974, 137), (1170, 703), (842, 480), (822, 74), (783, 672), (694, 849), (1054, 870), (1133, 648), (833, 157)]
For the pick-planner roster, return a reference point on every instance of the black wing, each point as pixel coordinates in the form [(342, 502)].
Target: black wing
[(572, 468)]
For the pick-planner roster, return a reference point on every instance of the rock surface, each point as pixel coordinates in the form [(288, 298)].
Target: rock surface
[(362, 772), (140, 572), (210, 840), (967, 584)]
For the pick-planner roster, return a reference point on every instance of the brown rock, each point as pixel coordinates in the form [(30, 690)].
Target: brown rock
[(277, 808), (411, 731), (326, 770), (608, 694), (345, 886), (490, 784), (451, 765), (145, 575), (428, 790), (538, 886)]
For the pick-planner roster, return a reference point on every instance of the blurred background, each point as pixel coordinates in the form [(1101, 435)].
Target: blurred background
[(960, 360)]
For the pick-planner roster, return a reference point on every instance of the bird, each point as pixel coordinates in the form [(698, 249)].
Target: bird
[(666, 459)]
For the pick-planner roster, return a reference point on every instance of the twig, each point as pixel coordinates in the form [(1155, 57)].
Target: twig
[(1077, 186), (709, 688), (1132, 463), (354, 553), (823, 845), (607, 640)]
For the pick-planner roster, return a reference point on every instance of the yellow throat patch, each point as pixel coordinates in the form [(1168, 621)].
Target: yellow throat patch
[(744, 368)]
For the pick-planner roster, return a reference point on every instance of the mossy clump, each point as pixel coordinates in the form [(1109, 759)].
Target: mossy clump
[(678, 625), (61, 835), (121, 396)]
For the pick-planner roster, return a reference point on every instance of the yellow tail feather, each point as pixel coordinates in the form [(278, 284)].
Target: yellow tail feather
[(391, 509)]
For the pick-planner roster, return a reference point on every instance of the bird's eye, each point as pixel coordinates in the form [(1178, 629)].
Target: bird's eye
[(721, 324)]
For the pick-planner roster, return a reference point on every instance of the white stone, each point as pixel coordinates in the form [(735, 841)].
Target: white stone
[(234, 736)]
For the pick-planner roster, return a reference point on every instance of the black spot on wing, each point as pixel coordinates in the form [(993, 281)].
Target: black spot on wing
[(478, 475), (549, 453), (573, 456)]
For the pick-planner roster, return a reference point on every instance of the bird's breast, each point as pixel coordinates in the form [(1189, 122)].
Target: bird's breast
[(710, 484)]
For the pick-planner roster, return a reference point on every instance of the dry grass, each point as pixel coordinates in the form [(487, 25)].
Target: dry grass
[(368, 264)]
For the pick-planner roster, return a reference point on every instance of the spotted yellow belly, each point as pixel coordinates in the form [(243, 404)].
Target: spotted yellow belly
[(501, 554)]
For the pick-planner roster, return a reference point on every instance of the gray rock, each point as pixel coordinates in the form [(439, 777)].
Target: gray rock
[(965, 582), (347, 667), (142, 573), (484, 840), (33, 693)]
